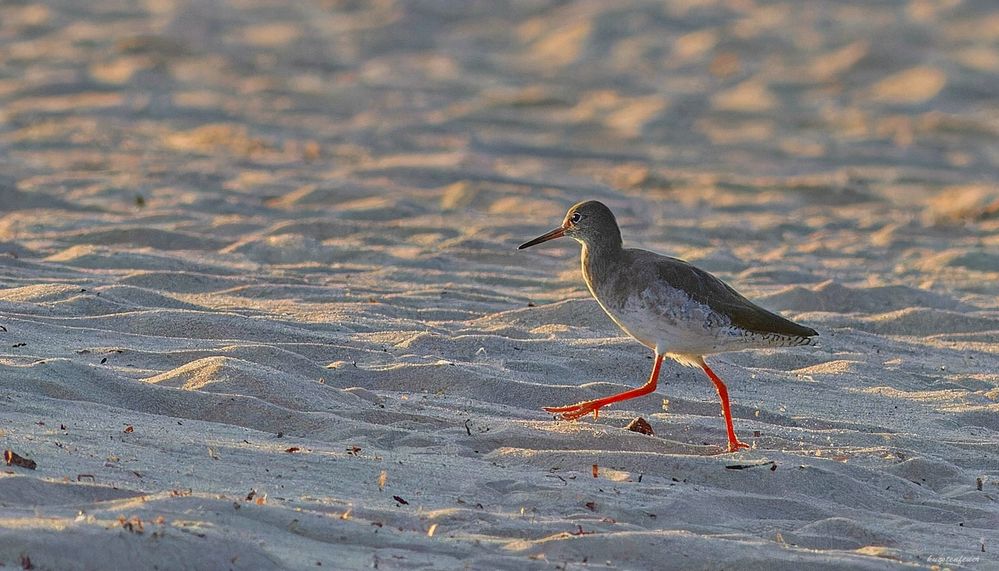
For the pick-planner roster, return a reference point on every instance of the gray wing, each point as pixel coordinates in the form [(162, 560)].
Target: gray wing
[(719, 296)]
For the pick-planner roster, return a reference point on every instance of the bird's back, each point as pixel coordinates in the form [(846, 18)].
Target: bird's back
[(705, 288), (648, 294)]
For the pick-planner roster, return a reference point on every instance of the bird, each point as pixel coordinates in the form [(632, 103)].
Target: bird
[(668, 305)]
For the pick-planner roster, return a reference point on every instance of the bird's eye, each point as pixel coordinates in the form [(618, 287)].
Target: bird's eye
[(575, 218)]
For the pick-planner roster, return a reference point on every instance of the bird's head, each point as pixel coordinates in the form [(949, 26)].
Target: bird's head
[(588, 222)]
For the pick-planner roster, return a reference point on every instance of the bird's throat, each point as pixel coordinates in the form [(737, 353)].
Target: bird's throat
[(598, 261)]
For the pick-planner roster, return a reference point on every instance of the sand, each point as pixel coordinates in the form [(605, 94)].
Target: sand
[(262, 307)]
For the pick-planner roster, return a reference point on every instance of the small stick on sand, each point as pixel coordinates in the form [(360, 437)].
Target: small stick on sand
[(12, 459)]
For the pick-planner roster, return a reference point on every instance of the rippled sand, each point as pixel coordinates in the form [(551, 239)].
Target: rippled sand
[(261, 304)]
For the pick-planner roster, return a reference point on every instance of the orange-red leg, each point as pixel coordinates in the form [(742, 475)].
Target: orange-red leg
[(580, 409), (733, 443)]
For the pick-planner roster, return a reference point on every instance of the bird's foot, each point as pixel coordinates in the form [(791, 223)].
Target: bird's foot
[(576, 411), (736, 445)]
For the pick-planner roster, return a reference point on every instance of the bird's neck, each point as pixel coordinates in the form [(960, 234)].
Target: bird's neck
[(609, 244), (600, 256)]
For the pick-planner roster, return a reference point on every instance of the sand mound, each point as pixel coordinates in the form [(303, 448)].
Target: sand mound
[(836, 298), (20, 491), (285, 249), (145, 238), (583, 314), (226, 375), (65, 379)]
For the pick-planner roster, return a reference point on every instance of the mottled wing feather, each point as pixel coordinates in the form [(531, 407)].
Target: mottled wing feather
[(719, 296)]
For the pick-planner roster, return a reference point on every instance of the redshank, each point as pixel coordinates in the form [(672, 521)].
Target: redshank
[(675, 309)]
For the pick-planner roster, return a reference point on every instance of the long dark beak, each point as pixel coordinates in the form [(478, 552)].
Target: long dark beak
[(556, 233)]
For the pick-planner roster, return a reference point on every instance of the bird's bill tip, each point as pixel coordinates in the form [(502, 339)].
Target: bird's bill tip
[(556, 233)]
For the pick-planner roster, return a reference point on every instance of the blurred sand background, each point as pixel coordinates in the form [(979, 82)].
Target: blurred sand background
[(261, 305)]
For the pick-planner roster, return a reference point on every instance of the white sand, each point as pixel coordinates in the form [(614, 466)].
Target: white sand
[(312, 340)]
